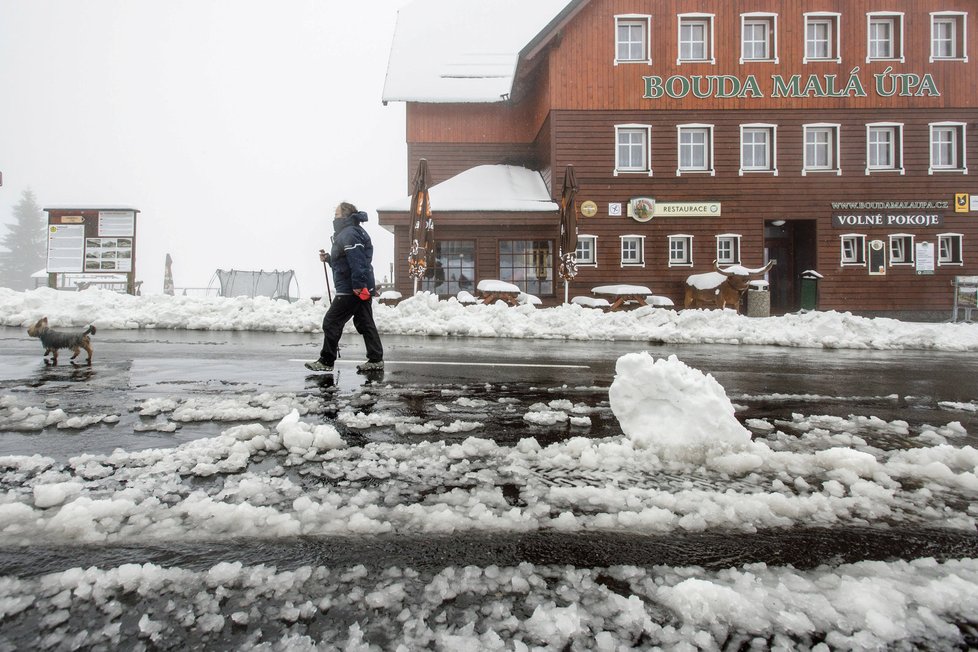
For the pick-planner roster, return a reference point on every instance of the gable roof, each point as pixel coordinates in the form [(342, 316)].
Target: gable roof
[(505, 188), (466, 50)]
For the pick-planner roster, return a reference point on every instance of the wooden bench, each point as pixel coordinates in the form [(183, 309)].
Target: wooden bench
[(623, 297), (592, 302), (492, 290)]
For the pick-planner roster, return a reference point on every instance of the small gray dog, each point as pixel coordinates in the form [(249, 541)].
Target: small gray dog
[(54, 340)]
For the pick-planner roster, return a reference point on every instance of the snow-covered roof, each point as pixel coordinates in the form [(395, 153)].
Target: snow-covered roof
[(462, 50), (487, 188)]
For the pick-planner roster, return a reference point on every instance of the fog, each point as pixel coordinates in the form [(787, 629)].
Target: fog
[(234, 127)]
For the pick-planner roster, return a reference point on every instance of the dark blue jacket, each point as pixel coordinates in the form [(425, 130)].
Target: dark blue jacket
[(351, 255)]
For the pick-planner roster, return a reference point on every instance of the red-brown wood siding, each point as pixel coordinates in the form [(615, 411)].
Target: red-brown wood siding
[(568, 105), (583, 76)]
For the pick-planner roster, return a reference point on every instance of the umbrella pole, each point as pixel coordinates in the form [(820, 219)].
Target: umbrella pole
[(566, 290), (415, 286)]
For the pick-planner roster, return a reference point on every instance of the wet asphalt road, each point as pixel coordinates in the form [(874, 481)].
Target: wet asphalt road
[(132, 366), (767, 383)]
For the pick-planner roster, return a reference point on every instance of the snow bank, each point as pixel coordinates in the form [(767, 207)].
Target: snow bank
[(424, 314)]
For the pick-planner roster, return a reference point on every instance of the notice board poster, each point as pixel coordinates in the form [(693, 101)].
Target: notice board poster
[(66, 247), (108, 254), (116, 224), (925, 257)]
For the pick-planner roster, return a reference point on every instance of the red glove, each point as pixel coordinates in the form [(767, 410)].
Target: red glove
[(362, 293)]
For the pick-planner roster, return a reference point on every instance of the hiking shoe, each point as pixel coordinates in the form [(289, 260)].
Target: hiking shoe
[(318, 365), (371, 366)]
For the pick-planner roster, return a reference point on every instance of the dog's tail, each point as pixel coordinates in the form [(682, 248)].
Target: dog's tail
[(90, 330)]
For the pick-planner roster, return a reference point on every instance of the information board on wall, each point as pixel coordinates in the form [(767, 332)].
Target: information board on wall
[(66, 247), (925, 257)]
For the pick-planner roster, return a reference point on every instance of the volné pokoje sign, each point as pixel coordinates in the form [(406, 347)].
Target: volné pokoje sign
[(886, 220), (882, 214), (884, 84)]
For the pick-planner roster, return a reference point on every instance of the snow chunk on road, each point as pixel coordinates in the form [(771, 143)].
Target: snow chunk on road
[(302, 438), (675, 410)]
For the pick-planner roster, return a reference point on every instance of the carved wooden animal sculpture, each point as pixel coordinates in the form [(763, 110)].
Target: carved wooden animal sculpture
[(722, 288)]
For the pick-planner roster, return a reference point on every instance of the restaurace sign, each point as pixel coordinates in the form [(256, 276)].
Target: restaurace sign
[(884, 84)]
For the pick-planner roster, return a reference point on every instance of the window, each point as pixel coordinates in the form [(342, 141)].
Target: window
[(633, 250), (453, 269), (947, 147), (821, 148), (948, 36), (949, 249), (884, 40), (884, 147), (632, 39), (587, 250), (680, 250), (527, 264), (758, 37), (695, 148), (822, 37), (853, 249), (632, 149), (728, 249), (757, 148), (695, 38), (901, 249)]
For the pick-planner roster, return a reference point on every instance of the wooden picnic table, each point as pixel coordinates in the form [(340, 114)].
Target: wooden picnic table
[(492, 290), (623, 297)]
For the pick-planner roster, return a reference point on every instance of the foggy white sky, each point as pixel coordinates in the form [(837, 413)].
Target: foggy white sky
[(234, 126)]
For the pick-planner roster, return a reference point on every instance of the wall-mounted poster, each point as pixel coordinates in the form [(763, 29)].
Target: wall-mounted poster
[(108, 254), (118, 224), (66, 247), (925, 257)]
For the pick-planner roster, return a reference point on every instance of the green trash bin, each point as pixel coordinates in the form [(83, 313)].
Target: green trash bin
[(809, 289)]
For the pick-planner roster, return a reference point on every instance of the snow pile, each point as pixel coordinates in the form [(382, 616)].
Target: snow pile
[(899, 605), (679, 412), (425, 314)]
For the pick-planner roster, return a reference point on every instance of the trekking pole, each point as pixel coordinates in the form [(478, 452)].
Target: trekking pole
[(329, 292)]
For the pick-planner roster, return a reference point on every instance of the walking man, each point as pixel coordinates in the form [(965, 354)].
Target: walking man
[(350, 258)]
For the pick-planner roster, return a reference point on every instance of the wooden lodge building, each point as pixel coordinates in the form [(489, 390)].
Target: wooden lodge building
[(831, 135)]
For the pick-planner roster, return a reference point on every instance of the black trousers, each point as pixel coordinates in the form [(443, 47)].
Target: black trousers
[(344, 307)]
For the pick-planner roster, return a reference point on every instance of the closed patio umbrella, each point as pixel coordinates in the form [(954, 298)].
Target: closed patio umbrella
[(421, 236), (568, 229), (168, 275)]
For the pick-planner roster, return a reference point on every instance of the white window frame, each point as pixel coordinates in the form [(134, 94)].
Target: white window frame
[(686, 242), (708, 154), (835, 164), (959, 20), (647, 130), (896, 153), (943, 260), (772, 148), (895, 19), (584, 261), (903, 244), (770, 21), (960, 146), (640, 249), (708, 40), (834, 20), (734, 240), (859, 248), (645, 22)]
